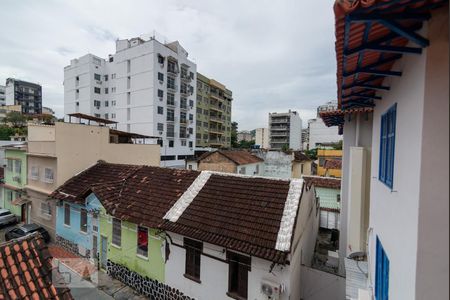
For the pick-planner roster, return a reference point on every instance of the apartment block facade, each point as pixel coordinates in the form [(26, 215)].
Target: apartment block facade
[(262, 137), (147, 87), (2, 95), (285, 130), (24, 93), (213, 122)]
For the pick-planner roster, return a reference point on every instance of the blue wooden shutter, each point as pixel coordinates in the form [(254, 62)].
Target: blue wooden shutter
[(381, 273), (392, 115), (383, 142)]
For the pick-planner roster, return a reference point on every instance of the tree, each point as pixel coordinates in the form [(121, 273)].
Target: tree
[(6, 132), (16, 119), (285, 148), (338, 145), (311, 153), (234, 127)]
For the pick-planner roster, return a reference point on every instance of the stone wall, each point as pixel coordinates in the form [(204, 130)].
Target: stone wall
[(71, 246), (144, 285)]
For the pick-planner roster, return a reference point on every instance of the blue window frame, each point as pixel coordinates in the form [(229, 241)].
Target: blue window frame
[(387, 146), (381, 273)]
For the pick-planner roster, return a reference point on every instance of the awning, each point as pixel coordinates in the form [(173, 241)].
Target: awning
[(336, 117), (370, 36), (19, 201)]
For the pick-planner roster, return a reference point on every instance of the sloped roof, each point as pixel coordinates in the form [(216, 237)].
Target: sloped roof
[(370, 36), (75, 189), (239, 157), (300, 156), (336, 117), (333, 164), (242, 213), (326, 182), (26, 270)]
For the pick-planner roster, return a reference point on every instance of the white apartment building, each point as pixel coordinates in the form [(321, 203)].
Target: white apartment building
[(262, 137), (285, 129), (147, 87), (2, 95), (318, 133)]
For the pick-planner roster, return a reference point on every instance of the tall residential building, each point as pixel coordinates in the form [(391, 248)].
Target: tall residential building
[(318, 133), (262, 137), (213, 113), (147, 87), (285, 129), (24, 93), (2, 95)]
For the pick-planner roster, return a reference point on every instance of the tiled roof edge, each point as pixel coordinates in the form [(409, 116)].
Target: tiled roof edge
[(183, 202), (289, 215)]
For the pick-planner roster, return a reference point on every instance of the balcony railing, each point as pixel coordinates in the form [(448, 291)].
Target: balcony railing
[(272, 128), (277, 121), (172, 87)]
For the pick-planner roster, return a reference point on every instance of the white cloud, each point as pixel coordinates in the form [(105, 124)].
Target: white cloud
[(273, 55)]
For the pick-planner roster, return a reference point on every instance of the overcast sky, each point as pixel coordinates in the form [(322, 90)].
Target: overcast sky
[(273, 55)]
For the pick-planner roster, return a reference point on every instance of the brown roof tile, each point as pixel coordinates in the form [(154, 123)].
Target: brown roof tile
[(333, 164), (300, 156), (326, 182), (32, 277), (239, 157)]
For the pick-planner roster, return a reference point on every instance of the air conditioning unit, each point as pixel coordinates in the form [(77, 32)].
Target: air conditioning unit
[(160, 98), (17, 179), (270, 289), (161, 82), (161, 65), (99, 82), (160, 132)]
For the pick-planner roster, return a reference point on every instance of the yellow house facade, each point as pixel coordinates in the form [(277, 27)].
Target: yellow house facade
[(329, 162)]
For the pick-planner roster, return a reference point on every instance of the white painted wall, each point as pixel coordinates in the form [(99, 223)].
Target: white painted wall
[(295, 133), (276, 164), (394, 213), (251, 169)]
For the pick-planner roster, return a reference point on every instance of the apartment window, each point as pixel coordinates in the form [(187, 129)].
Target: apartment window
[(170, 99), (199, 110), (238, 268), (128, 82), (381, 273), (113, 90), (97, 115), (97, 90), (191, 130), (46, 209), (142, 241), (183, 143), (113, 116), (106, 91), (183, 103), (67, 214), (387, 146), (34, 172), (170, 115), (113, 76), (205, 124), (160, 110), (170, 144), (9, 166), (77, 103), (48, 175), (97, 77), (171, 83), (257, 169), (106, 116), (128, 66), (160, 76), (191, 103), (116, 232), (242, 170), (160, 59), (191, 117), (183, 117), (191, 75), (105, 77), (106, 103), (128, 98), (160, 93), (191, 144), (18, 167), (160, 127), (206, 112), (97, 103), (113, 103), (167, 157), (170, 130), (193, 256), (83, 220)]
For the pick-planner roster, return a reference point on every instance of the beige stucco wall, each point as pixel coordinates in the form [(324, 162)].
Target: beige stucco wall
[(217, 162), (297, 169)]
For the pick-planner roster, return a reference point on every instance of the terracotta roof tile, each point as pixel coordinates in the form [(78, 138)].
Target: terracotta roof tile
[(17, 281), (333, 164), (239, 157), (326, 182), (301, 156)]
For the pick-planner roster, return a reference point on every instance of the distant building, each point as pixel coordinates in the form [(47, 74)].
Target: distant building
[(330, 162), (284, 165), (213, 113), (305, 138), (148, 87), (229, 161), (318, 133), (262, 137), (2, 95), (285, 129), (244, 136), (24, 93)]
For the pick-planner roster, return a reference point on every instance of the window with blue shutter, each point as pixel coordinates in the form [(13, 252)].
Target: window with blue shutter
[(387, 146), (381, 273)]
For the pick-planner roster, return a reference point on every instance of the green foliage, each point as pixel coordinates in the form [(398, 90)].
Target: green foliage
[(285, 148), (6, 132), (311, 153), (234, 127), (338, 145), (16, 119), (245, 144)]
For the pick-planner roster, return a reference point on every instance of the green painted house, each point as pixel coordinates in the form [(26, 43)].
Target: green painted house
[(15, 179)]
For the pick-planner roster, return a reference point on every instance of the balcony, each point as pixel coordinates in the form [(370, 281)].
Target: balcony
[(170, 119), (216, 119), (172, 72), (185, 77), (171, 103), (218, 130), (217, 96), (278, 128), (279, 121), (278, 133), (183, 121), (172, 87), (170, 134)]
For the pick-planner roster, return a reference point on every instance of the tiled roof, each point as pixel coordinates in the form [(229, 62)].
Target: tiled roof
[(326, 182), (333, 164), (26, 270), (370, 36), (238, 213), (300, 156), (146, 196), (336, 117), (239, 157), (242, 213), (75, 189)]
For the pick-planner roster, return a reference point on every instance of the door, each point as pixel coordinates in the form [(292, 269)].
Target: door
[(104, 247), (94, 246), (23, 213)]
